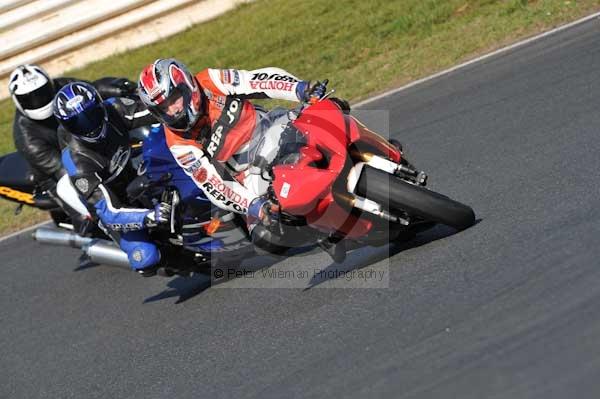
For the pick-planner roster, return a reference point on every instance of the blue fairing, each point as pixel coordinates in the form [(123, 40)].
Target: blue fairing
[(214, 245), (158, 161)]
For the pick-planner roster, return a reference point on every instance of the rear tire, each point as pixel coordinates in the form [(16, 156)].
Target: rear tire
[(397, 195), (58, 217)]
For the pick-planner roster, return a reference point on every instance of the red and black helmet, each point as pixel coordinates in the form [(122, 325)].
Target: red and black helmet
[(171, 93)]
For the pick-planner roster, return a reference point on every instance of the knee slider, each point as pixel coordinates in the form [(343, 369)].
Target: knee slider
[(141, 254)]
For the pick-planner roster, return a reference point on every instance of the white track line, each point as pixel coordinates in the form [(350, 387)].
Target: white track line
[(416, 82), (25, 230), (478, 59)]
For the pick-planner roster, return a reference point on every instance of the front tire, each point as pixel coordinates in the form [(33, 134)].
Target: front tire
[(398, 195)]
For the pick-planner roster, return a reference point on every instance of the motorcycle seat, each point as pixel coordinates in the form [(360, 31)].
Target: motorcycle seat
[(15, 172)]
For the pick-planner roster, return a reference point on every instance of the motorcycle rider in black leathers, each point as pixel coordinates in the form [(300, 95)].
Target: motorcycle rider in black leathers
[(35, 128), (97, 160)]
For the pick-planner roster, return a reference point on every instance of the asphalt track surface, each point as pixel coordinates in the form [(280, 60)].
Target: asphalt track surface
[(507, 309)]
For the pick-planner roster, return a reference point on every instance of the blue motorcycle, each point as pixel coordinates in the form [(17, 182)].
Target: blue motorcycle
[(198, 237)]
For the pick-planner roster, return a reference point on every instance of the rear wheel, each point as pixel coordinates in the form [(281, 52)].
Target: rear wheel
[(400, 196), (58, 217)]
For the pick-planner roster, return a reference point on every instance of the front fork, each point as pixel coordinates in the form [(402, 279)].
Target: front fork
[(404, 170)]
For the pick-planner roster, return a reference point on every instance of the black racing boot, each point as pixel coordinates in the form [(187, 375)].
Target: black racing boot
[(149, 271)]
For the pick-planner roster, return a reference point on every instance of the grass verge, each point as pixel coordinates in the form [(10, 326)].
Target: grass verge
[(362, 47)]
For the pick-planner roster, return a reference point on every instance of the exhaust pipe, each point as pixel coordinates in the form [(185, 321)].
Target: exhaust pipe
[(106, 254), (97, 250), (62, 238)]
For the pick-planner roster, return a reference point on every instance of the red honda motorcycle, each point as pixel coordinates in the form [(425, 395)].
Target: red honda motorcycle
[(335, 180)]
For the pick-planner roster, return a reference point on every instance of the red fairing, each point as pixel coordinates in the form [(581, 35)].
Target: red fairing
[(299, 187), (304, 189), (330, 216), (361, 133), (325, 127)]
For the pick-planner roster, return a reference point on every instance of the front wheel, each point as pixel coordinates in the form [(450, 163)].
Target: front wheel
[(398, 195)]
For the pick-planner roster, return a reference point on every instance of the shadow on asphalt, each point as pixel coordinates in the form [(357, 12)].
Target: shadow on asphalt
[(358, 259), (188, 287), (182, 287), (185, 288), (85, 264)]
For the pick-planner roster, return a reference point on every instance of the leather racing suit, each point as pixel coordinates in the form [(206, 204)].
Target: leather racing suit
[(100, 173), (217, 152), (39, 143)]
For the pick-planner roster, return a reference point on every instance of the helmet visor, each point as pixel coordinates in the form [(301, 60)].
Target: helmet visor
[(38, 98), (174, 110), (88, 124)]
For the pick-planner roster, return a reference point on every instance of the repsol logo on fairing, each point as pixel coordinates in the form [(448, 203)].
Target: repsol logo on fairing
[(225, 195), (16, 195)]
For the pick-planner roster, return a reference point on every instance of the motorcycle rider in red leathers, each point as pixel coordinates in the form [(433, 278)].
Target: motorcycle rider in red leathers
[(214, 132)]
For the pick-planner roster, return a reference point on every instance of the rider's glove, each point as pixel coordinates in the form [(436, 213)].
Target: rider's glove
[(116, 87), (127, 87), (311, 94), (160, 215), (263, 210)]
